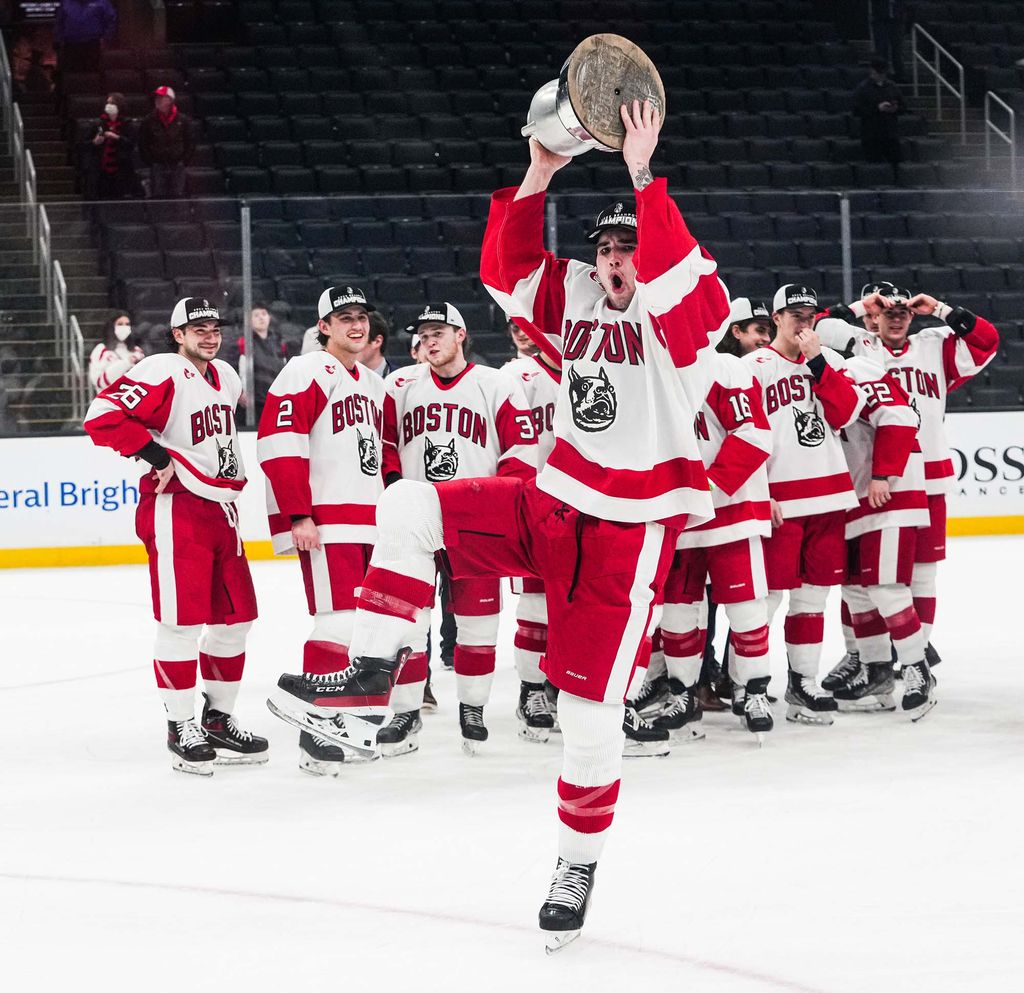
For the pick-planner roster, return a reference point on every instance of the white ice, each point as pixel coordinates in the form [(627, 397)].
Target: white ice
[(874, 855)]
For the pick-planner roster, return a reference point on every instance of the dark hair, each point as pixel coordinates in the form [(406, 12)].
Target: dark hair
[(379, 328), (730, 345), (116, 98), (879, 64), (110, 339)]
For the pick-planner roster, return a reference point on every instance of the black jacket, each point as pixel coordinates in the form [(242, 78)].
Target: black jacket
[(166, 144)]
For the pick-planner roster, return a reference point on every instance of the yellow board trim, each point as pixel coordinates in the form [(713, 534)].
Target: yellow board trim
[(87, 555), (59, 558)]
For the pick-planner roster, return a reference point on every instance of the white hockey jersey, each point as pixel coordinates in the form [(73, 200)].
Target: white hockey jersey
[(807, 472), (540, 384), (107, 365), (320, 446), (476, 425), (883, 441), (631, 380), (735, 442), (166, 399), (933, 362)]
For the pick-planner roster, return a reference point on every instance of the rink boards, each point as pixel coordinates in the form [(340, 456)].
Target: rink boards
[(65, 502)]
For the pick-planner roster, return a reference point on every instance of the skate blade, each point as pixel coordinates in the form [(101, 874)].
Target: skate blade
[(815, 718), (356, 735), (538, 735), (428, 708), (557, 940), (321, 770), (471, 747), (686, 734), (868, 704), (918, 712), (228, 757), (760, 737), (392, 750), (193, 768), (646, 750)]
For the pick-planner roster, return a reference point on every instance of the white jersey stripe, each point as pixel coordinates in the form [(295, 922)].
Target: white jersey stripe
[(163, 532)]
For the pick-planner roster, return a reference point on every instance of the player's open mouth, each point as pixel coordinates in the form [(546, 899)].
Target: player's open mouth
[(617, 283)]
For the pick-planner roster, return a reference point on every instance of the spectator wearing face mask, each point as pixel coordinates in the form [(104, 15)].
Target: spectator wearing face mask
[(110, 174), (116, 353)]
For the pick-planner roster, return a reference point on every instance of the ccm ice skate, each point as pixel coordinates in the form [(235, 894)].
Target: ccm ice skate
[(918, 684), (355, 701), (563, 913)]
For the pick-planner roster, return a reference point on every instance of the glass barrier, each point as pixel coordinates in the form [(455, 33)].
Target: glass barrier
[(70, 268)]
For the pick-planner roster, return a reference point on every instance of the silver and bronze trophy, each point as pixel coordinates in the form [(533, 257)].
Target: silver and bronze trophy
[(580, 110)]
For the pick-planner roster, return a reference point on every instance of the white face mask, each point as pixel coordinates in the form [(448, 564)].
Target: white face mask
[(111, 109), (122, 331)]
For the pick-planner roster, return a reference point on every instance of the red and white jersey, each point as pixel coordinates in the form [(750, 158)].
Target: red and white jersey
[(631, 380), (166, 399), (320, 445), (107, 365), (933, 362), (807, 471), (735, 442), (540, 384), (476, 425), (882, 441)]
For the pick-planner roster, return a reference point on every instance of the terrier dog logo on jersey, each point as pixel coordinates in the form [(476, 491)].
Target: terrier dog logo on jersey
[(440, 462), (810, 429), (592, 399), (228, 467), (369, 461)]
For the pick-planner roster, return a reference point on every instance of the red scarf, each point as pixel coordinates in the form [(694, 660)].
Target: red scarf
[(168, 119), (108, 154)]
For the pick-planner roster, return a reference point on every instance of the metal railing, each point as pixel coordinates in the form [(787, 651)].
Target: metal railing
[(1009, 136), (76, 370), (59, 301), (934, 66)]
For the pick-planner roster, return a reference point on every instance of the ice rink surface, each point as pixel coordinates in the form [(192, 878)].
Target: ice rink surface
[(874, 855)]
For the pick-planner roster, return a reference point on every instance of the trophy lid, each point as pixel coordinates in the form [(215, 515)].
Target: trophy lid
[(604, 72)]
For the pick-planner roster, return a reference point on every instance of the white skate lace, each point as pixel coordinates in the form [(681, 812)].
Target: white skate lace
[(812, 689), (190, 734), (568, 885), (756, 705), (846, 668), (473, 716), (913, 679), (859, 678), (404, 721), (636, 721), (536, 703), (237, 731), (327, 678)]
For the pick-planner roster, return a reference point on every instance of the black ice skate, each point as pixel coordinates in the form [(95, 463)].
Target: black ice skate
[(739, 698), (683, 717), (757, 710), (565, 910), (355, 700), (318, 756), (401, 736), (841, 672), (918, 683), (474, 731), (233, 745), (807, 703), (643, 739), (535, 720), (869, 688), (551, 692), (429, 700), (654, 699), (192, 752)]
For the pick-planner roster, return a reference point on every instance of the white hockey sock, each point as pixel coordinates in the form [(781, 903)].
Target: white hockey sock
[(222, 661), (175, 659)]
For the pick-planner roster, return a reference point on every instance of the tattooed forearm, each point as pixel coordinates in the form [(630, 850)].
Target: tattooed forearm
[(642, 177)]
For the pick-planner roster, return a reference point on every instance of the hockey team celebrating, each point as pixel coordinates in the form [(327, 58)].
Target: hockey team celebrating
[(664, 444)]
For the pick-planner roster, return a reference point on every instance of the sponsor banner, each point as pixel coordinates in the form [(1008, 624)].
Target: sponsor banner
[(986, 494), (63, 501), (66, 496)]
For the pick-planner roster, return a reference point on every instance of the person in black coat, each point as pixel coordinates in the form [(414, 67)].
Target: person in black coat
[(108, 166), (166, 144), (877, 102)]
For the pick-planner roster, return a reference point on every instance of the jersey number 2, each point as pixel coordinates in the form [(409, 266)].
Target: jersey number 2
[(284, 414)]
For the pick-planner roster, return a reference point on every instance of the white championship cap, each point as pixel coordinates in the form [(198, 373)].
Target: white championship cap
[(194, 310), (794, 295), (337, 297), (443, 313)]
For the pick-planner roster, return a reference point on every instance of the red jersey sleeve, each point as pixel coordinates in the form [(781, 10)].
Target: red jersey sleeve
[(748, 443), (122, 415), (517, 436)]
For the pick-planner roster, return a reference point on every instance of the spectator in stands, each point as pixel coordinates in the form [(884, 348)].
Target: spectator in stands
[(166, 144), (888, 23), (521, 341), (270, 353), (372, 355), (877, 102), (116, 353), (79, 30), (108, 166)]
